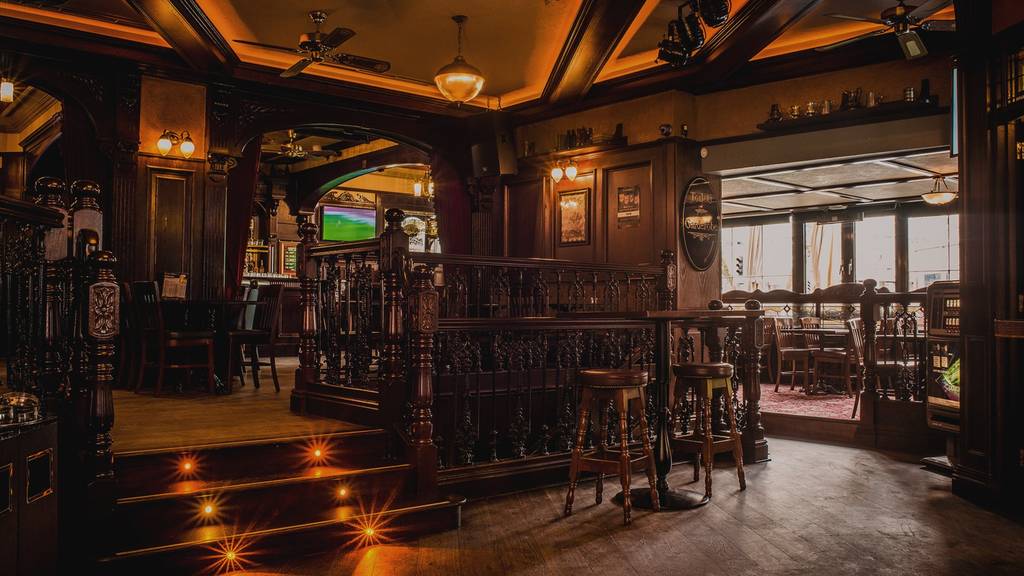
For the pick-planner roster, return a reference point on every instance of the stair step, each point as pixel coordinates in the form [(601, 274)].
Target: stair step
[(160, 517), (165, 470), (226, 547)]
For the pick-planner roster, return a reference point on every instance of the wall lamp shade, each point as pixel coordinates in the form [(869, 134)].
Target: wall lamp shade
[(459, 81), (6, 90), (187, 146), (940, 194), (164, 144), (557, 173), (570, 171)]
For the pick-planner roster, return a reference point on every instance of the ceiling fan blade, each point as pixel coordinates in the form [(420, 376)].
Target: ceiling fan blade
[(296, 68), (271, 46), (939, 26), (337, 37), (361, 63), (858, 38), (857, 18), (928, 8)]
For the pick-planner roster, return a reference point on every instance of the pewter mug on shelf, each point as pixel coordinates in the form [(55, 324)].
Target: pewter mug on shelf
[(775, 114)]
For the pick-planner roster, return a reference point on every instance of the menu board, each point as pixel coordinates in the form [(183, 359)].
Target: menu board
[(289, 258)]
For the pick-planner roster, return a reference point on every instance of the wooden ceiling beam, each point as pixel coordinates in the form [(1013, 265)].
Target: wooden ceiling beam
[(597, 29), (187, 29)]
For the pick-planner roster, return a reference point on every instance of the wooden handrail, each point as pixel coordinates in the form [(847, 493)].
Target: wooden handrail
[(368, 246), (549, 263), (29, 212)]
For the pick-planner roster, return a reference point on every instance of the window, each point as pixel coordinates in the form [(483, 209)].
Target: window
[(875, 254), (934, 249), (757, 257), (823, 255)]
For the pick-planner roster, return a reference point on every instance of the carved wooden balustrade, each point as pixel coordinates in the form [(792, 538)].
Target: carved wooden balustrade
[(60, 302), (894, 333), (836, 303), (465, 357)]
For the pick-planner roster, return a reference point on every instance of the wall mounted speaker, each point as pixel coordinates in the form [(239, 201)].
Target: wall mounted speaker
[(493, 145)]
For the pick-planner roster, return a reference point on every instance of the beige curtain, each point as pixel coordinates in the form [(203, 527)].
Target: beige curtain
[(754, 265), (825, 260)]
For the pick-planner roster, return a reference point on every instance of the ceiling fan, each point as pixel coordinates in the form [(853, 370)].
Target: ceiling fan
[(905, 21), (291, 149), (317, 47)]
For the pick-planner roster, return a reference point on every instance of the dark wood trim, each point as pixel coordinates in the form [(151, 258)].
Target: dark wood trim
[(597, 29), (189, 32), (305, 187)]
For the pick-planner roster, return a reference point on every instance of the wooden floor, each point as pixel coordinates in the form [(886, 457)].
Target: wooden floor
[(148, 422), (814, 509)]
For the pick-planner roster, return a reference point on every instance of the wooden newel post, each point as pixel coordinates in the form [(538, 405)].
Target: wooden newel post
[(393, 263), (667, 287), (54, 385), (869, 393), (308, 372), (423, 320), (103, 321), (755, 447)]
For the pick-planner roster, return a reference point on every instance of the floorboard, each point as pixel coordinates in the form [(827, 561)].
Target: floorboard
[(174, 420), (814, 509)]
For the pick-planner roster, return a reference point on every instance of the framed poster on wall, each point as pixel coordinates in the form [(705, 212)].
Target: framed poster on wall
[(574, 217), (627, 212)]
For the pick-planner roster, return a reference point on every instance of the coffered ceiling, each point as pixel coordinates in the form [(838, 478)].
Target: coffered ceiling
[(530, 51)]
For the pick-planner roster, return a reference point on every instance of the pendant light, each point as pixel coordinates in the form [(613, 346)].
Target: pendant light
[(940, 194), (459, 81)]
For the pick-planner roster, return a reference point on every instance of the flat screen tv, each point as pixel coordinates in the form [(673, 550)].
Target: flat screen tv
[(345, 224)]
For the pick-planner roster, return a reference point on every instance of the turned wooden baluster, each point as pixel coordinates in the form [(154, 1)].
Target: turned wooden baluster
[(423, 318), (308, 272), (755, 447), (667, 286), (53, 378), (868, 316)]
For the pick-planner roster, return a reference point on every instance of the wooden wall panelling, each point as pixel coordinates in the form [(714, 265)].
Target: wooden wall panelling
[(123, 196), (630, 240), (696, 288), (593, 249), (170, 217), (527, 219)]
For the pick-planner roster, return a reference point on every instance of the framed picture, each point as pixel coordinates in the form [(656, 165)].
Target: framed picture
[(627, 213), (574, 217), (289, 263)]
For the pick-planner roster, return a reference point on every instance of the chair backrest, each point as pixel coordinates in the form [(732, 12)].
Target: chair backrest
[(811, 340), (248, 315), (784, 339), (268, 313), (148, 313), (767, 332), (856, 326)]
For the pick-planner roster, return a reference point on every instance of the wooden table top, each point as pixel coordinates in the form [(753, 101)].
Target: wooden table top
[(797, 330), (694, 313)]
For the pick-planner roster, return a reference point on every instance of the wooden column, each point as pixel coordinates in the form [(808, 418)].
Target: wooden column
[(308, 372), (103, 319), (869, 375), (423, 319), (124, 199)]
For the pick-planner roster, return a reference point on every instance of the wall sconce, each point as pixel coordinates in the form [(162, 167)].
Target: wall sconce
[(417, 188), (169, 139), (6, 91), (568, 170)]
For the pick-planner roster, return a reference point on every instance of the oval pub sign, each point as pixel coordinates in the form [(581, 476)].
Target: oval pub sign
[(699, 223)]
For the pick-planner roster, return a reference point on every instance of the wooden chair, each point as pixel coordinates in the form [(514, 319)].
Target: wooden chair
[(266, 323), (764, 346), (624, 387), (891, 355), (847, 360), (705, 379), (788, 346), (157, 339)]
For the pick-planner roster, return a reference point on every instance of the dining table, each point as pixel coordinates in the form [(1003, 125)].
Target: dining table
[(837, 336), (217, 315)]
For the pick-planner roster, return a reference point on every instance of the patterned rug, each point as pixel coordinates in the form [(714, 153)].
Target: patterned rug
[(787, 401)]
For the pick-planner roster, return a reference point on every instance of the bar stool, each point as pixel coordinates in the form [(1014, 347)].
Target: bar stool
[(625, 388), (705, 379)]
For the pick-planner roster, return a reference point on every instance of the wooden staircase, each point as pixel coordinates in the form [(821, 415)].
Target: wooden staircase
[(227, 506)]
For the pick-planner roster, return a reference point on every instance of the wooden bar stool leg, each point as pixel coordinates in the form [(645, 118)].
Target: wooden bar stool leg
[(737, 446), (602, 444), (709, 437), (645, 441), (577, 450), (621, 404)]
